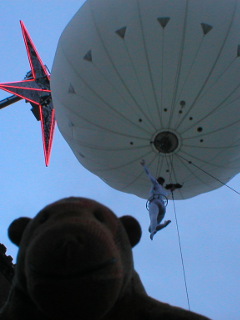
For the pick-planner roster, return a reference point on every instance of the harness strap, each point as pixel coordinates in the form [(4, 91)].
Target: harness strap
[(157, 196)]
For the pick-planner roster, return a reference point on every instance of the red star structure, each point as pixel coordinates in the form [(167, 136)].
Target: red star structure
[(35, 88)]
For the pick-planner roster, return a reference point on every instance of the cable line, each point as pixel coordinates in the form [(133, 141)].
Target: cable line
[(176, 220), (170, 164), (181, 254), (210, 175)]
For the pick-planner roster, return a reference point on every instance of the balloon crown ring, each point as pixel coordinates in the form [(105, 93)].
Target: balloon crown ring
[(166, 142)]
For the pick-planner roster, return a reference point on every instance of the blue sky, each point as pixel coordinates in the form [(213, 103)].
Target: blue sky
[(209, 223)]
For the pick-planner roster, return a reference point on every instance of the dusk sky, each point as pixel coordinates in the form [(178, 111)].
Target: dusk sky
[(208, 223)]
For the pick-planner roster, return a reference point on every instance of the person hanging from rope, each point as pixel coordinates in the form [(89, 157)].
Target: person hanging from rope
[(157, 202)]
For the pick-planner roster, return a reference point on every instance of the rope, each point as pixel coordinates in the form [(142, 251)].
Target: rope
[(176, 221), (170, 165), (210, 175), (181, 254)]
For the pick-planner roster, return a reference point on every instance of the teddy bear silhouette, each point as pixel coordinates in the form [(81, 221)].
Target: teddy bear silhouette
[(75, 262)]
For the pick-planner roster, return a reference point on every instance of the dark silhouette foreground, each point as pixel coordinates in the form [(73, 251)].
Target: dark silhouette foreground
[(75, 263), (6, 274)]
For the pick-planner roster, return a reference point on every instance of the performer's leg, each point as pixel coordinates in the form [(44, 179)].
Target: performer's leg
[(163, 225), (156, 213), (153, 214), (161, 212)]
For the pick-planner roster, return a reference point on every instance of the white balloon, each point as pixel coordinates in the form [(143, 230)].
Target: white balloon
[(156, 80)]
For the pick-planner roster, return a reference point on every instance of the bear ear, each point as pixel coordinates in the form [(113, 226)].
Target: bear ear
[(132, 228), (16, 229)]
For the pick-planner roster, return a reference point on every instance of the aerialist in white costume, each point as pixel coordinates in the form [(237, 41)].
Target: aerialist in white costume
[(157, 202)]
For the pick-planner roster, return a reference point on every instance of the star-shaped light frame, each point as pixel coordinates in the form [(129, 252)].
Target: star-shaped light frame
[(36, 90)]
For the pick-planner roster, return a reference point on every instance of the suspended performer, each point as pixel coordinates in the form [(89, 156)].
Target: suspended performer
[(158, 201)]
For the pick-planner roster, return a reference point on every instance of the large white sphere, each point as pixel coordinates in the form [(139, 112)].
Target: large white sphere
[(152, 79)]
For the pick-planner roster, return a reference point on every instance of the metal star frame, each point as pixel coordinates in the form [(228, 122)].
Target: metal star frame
[(35, 88)]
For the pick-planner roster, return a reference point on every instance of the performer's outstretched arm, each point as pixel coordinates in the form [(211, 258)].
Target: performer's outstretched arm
[(153, 179)]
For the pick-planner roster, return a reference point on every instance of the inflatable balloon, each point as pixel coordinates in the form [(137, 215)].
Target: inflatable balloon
[(155, 80)]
